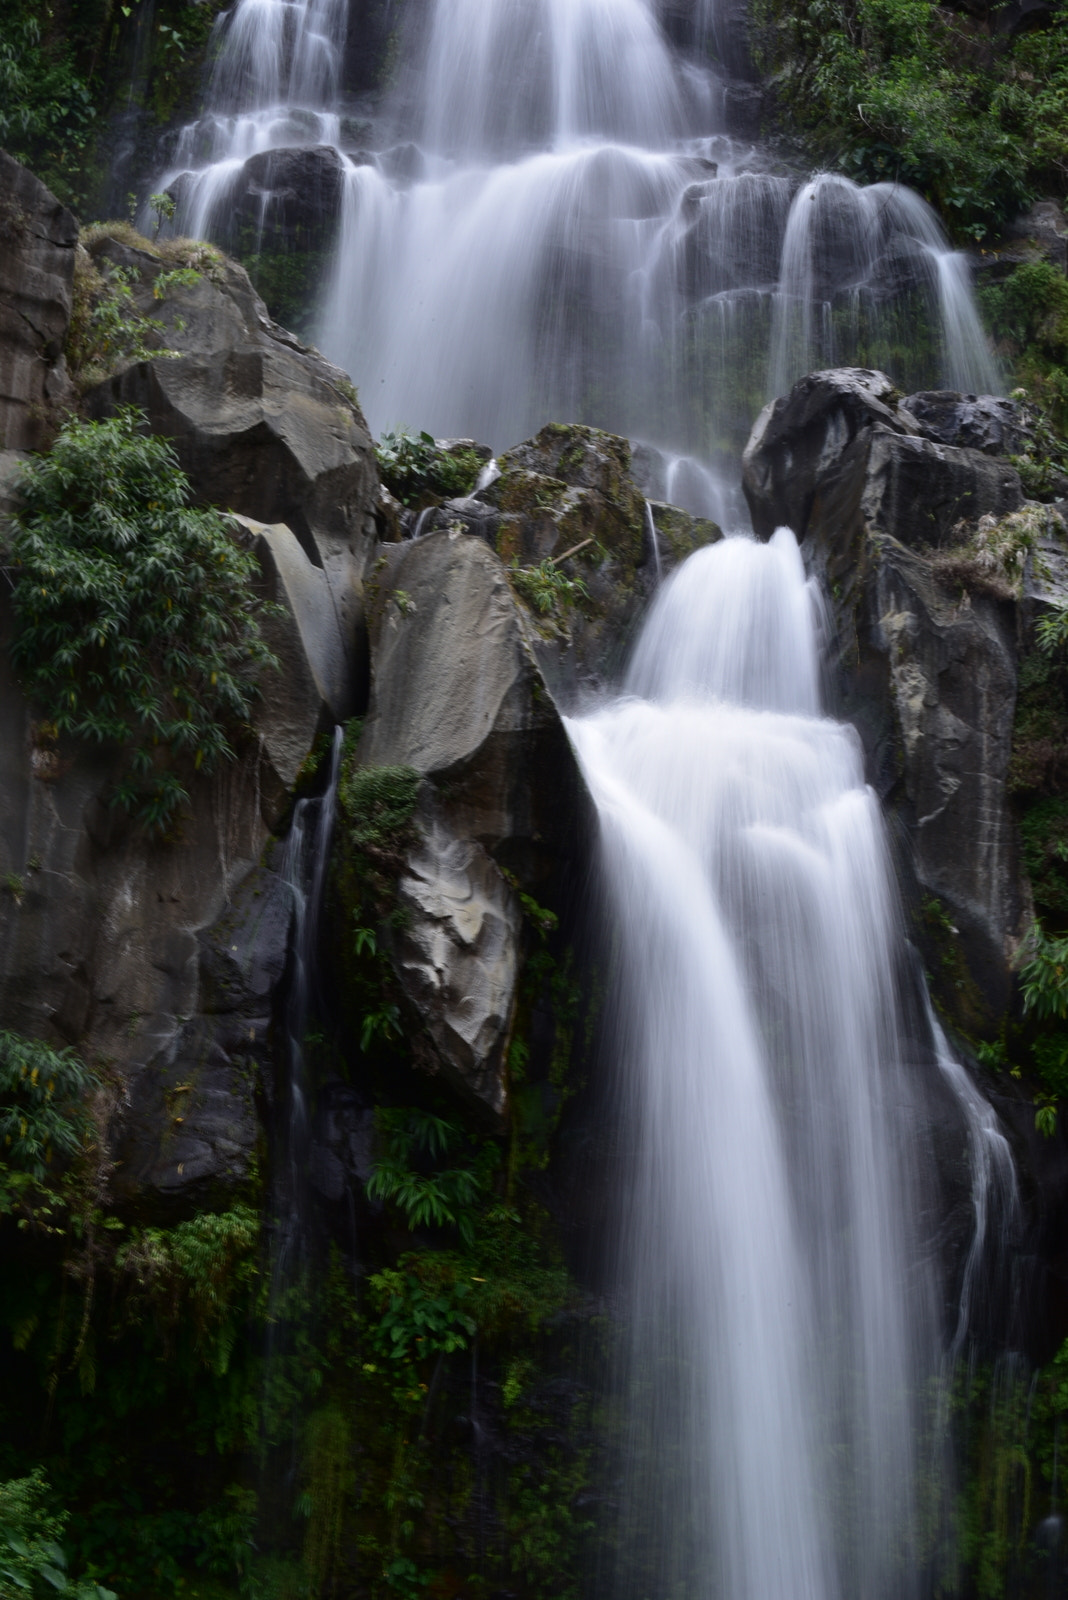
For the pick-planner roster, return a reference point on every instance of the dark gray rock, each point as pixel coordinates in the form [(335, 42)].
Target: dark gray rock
[(986, 422), (569, 495), (38, 237), (926, 672), (286, 200)]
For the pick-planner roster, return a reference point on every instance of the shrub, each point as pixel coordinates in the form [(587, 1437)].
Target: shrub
[(136, 621), (33, 1563), (414, 467)]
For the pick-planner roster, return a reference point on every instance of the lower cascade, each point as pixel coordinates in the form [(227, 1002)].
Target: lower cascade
[(784, 1297)]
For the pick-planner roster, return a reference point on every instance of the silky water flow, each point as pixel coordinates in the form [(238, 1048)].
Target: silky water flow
[(547, 220), (786, 1304)]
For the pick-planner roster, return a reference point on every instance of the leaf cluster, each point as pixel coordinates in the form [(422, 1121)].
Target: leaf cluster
[(137, 622), (546, 587), (415, 467), (905, 91), (42, 1104), (33, 1563), (407, 1172)]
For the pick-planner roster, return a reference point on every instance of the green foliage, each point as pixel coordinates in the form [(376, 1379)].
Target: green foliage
[(417, 470), (107, 331), (42, 1106), (421, 1309), (438, 1198), (33, 1563), (137, 622), (903, 90), (1027, 313), (203, 1270), (1044, 976), (545, 587), (380, 802)]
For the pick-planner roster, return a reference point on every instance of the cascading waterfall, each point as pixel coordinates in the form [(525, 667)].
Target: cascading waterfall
[(783, 1298), (577, 237), (554, 224)]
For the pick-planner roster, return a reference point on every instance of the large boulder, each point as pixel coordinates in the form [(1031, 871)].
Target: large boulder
[(37, 243), (568, 499), (457, 696), (262, 424), (887, 496)]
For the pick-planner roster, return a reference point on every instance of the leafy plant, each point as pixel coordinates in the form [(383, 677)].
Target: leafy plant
[(107, 330), (33, 1563), (42, 1104), (412, 1139), (137, 622), (545, 586), (414, 467), (1044, 976)]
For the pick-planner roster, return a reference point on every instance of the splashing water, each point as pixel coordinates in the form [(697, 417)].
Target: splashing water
[(783, 1301)]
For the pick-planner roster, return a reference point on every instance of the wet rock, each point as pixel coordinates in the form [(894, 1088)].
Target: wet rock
[(162, 956), (925, 671), (286, 200), (37, 243), (457, 695), (842, 454), (990, 423)]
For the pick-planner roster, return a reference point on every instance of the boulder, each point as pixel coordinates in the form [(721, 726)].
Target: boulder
[(262, 424), (568, 497), (286, 200), (877, 498), (38, 237), (458, 696)]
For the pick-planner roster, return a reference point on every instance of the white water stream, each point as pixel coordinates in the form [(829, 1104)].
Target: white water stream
[(553, 223), (785, 1303)]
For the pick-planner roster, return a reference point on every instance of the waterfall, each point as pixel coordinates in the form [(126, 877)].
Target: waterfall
[(783, 1299), (550, 218)]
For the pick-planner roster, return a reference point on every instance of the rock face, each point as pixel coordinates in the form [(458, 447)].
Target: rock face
[(457, 695), (163, 958), (261, 423), (37, 241), (875, 487)]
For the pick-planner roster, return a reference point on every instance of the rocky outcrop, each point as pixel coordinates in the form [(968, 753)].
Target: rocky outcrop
[(37, 241), (262, 424), (877, 489), (163, 957), (458, 696)]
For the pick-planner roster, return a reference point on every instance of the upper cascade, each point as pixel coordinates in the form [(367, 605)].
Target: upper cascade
[(547, 215)]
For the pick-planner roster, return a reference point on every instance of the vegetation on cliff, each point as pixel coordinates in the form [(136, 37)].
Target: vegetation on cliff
[(137, 621)]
